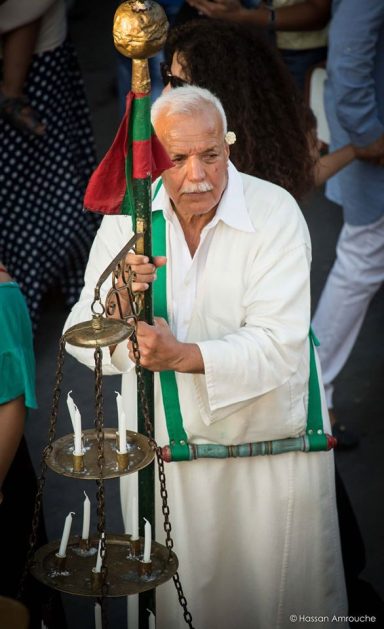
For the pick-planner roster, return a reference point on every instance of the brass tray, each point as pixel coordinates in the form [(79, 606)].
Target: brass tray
[(60, 459), (99, 332), (122, 576)]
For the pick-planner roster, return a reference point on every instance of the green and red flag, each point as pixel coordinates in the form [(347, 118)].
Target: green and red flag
[(135, 158)]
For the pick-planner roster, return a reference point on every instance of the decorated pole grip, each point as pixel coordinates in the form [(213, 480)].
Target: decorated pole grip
[(305, 443)]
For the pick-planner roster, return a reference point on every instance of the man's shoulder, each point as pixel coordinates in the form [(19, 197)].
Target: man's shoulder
[(263, 198), (116, 223), (274, 213)]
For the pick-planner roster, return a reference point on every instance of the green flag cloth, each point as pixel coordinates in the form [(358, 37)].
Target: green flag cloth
[(135, 157)]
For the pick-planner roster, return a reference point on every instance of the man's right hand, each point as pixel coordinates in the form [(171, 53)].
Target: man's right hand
[(144, 270), (145, 274)]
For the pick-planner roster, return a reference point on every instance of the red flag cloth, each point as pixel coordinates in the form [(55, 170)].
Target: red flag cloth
[(107, 186)]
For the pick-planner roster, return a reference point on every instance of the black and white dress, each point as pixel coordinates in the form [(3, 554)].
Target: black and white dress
[(45, 235)]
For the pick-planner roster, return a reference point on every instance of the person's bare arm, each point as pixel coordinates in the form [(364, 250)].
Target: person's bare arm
[(12, 416), (306, 16), (328, 165)]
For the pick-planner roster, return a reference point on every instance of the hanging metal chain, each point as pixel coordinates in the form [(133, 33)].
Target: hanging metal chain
[(100, 493), (160, 465), (43, 466), (120, 290)]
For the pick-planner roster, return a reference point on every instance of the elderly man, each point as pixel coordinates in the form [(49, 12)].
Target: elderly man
[(257, 537)]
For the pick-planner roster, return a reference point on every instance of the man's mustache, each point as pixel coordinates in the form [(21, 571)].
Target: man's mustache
[(203, 186)]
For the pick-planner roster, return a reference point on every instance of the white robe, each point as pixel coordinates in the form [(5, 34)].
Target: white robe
[(257, 538)]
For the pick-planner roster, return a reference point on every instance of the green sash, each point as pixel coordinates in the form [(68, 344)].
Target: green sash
[(177, 436)]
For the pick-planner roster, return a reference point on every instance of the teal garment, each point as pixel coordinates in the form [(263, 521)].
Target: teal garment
[(17, 361)]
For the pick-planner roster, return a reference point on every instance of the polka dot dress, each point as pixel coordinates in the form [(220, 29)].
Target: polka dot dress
[(45, 235)]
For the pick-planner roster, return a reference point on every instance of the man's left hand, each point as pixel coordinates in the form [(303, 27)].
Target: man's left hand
[(159, 348), (161, 351)]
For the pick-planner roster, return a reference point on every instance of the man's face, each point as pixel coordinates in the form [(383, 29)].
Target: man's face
[(200, 154)]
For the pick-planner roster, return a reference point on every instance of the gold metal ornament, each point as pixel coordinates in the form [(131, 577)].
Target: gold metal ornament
[(139, 28)]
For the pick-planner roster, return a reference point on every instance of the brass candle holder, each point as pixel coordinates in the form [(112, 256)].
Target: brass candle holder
[(98, 579), (139, 454), (127, 574), (135, 547), (78, 462), (60, 561), (144, 568), (122, 461), (84, 544)]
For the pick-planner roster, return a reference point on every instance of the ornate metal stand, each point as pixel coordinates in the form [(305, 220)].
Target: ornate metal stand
[(139, 455), (139, 32), (124, 575)]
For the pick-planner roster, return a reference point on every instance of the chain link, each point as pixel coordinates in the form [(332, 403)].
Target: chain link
[(162, 479), (100, 493), (136, 305)]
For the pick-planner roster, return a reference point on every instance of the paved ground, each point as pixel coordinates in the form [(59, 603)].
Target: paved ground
[(359, 398)]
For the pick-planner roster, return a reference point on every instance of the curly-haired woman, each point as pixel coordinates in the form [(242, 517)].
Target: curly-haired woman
[(275, 130)]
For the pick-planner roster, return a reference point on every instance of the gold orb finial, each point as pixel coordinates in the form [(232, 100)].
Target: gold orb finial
[(139, 28)]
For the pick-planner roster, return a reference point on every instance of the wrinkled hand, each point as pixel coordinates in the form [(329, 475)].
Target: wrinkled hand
[(145, 271), (161, 351), (221, 9), (159, 348), (373, 153), (145, 274)]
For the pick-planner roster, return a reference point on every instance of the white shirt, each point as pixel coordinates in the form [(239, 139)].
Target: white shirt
[(183, 270), (248, 313)]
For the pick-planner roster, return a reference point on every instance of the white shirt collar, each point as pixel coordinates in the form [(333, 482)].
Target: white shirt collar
[(232, 208)]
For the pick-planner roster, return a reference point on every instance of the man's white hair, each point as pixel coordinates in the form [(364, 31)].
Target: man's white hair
[(189, 100)]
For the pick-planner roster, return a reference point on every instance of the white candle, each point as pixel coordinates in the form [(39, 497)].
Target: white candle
[(99, 559), (86, 517), (65, 536), (119, 402), (77, 428), (151, 620), (121, 424), (72, 409), (98, 621), (147, 541), (135, 517)]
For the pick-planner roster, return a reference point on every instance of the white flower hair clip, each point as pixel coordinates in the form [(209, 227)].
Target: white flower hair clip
[(230, 137)]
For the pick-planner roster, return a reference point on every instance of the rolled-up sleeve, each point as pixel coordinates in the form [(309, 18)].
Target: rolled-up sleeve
[(267, 348)]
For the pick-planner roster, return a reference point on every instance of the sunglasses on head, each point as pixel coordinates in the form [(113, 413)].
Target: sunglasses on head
[(168, 77)]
